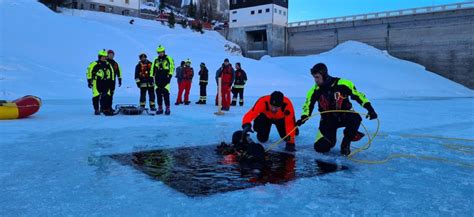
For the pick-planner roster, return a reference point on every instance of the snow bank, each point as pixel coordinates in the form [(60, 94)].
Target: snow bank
[(46, 54)]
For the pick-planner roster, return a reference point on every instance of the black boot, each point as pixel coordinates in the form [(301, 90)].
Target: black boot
[(168, 111), (199, 102), (234, 103), (160, 111), (346, 147), (97, 112)]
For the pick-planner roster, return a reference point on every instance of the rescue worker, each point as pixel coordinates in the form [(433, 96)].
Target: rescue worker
[(203, 79), (333, 93), (239, 84), (117, 74), (227, 74), (179, 75), (268, 110), (99, 74), (145, 82), (162, 71), (187, 74)]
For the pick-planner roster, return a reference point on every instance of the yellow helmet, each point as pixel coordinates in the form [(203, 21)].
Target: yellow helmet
[(103, 53), (160, 49)]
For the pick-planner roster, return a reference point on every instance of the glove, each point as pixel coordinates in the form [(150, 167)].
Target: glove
[(89, 84), (120, 82), (246, 128), (371, 112), (302, 120), (290, 147)]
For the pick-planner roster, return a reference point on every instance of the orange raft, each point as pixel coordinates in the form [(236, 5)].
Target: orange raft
[(20, 108)]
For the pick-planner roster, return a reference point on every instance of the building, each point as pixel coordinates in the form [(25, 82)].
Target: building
[(123, 7), (259, 27)]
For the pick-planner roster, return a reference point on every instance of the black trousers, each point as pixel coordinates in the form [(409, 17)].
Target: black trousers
[(163, 94), (151, 96), (238, 92), (203, 91), (327, 135), (262, 126), (104, 99)]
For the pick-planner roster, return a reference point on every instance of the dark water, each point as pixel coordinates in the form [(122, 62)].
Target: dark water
[(201, 171)]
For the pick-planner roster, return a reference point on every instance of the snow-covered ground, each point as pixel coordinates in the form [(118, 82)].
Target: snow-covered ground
[(51, 164)]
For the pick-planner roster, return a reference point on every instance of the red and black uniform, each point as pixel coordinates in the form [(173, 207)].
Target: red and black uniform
[(227, 74), (264, 118), (187, 74), (145, 82), (238, 88)]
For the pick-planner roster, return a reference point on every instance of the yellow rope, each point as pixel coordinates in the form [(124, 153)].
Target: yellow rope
[(392, 156)]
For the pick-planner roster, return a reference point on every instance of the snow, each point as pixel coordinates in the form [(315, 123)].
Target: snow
[(51, 163)]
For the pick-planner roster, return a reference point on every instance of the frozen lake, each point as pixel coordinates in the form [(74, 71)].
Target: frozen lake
[(53, 164)]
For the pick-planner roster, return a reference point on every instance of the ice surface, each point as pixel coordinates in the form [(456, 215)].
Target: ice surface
[(51, 164)]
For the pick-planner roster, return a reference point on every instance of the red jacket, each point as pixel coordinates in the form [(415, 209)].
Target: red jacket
[(262, 106)]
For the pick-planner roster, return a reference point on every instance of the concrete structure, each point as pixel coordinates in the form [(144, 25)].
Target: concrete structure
[(259, 27), (123, 7), (440, 40)]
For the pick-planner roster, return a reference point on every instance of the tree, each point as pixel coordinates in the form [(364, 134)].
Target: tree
[(171, 20), (53, 4), (162, 5), (192, 10)]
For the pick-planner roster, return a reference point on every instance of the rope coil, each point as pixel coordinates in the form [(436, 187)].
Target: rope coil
[(460, 148)]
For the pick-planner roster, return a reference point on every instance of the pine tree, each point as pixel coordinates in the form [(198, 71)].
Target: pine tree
[(192, 10), (53, 4), (162, 5), (171, 20)]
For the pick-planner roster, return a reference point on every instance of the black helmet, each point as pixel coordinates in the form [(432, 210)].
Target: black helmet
[(276, 99), (321, 69), (142, 55)]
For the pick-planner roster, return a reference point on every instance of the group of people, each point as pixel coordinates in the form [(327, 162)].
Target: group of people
[(331, 93), (154, 78), (102, 76)]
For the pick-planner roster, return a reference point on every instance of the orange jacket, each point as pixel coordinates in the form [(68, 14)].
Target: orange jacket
[(262, 106)]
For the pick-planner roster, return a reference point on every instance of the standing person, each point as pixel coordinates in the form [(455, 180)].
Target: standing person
[(203, 79), (179, 78), (274, 109), (99, 74), (145, 82), (227, 74), (187, 78), (117, 74), (162, 70), (333, 94), (239, 84)]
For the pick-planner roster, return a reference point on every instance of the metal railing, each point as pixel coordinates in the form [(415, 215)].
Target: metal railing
[(385, 14)]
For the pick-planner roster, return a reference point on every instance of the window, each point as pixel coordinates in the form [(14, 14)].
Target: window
[(234, 12), (284, 13), (234, 2), (252, 12), (234, 21), (111, 0), (276, 10), (111, 9), (127, 2), (125, 12), (267, 10), (92, 6), (279, 11), (260, 11)]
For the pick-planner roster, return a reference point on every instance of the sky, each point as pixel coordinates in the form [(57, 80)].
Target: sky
[(301, 10)]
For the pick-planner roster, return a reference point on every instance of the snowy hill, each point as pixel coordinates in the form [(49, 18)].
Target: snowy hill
[(49, 57)]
